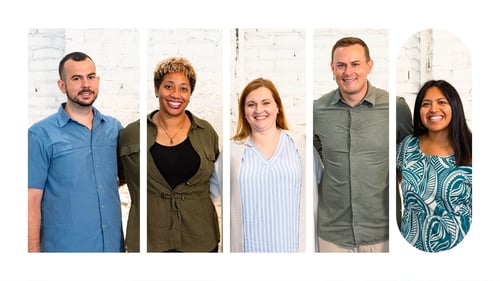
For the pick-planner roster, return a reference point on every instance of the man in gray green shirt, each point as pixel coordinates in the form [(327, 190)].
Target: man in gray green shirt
[(351, 134)]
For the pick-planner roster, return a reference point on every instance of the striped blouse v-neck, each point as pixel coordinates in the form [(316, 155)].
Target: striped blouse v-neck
[(270, 196)]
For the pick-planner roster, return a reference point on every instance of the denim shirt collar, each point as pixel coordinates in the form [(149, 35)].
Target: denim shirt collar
[(63, 118)]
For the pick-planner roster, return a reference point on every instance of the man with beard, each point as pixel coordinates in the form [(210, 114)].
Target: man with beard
[(73, 199)]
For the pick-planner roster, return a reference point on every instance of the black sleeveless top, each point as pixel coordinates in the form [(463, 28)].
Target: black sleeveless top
[(177, 163)]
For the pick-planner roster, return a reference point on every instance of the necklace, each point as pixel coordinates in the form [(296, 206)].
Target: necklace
[(166, 132)]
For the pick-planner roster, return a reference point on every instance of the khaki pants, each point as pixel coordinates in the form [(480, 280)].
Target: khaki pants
[(326, 246)]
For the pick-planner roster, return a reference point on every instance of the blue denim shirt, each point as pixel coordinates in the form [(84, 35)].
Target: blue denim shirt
[(77, 170)]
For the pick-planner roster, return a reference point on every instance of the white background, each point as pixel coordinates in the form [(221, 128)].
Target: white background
[(474, 22)]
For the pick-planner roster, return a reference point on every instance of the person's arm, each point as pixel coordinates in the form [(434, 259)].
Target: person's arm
[(216, 179), (317, 144), (121, 174), (216, 192), (318, 166), (318, 172), (34, 218), (404, 123)]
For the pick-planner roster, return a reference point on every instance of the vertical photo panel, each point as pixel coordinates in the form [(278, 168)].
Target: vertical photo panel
[(434, 155), (268, 162), (351, 139)]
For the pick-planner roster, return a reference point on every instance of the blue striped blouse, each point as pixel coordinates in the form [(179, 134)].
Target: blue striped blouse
[(270, 197)]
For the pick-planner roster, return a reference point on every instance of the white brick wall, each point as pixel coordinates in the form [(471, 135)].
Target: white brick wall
[(434, 54), (45, 50)]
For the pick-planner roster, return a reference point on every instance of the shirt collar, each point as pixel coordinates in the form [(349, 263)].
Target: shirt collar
[(369, 97), (63, 117)]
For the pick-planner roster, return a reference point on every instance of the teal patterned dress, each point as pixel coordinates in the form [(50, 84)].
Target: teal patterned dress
[(437, 198)]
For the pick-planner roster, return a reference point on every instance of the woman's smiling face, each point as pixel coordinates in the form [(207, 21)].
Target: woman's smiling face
[(174, 93), (261, 110), (435, 110)]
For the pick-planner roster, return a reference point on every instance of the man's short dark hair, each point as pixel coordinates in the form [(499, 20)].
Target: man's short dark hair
[(76, 56)]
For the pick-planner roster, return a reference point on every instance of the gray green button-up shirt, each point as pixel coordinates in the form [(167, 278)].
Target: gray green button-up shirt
[(354, 146)]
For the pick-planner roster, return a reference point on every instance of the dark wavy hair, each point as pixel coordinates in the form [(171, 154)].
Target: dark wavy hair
[(459, 133)]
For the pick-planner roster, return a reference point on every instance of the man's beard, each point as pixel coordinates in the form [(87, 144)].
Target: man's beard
[(75, 98)]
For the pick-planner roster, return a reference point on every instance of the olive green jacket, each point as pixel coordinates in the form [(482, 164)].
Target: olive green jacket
[(128, 150), (181, 218), (184, 218)]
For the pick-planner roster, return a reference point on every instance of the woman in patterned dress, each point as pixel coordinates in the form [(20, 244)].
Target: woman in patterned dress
[(435, 164)]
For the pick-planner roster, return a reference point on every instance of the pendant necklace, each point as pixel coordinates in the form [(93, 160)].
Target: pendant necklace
[(166, 132)]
